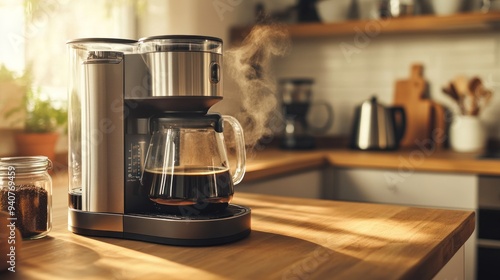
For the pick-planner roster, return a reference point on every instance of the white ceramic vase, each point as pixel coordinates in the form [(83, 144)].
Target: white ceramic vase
[(446, 7), (467, 134), (333, 10)]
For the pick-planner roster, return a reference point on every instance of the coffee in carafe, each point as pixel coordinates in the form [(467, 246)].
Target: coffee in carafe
[(199, 188)]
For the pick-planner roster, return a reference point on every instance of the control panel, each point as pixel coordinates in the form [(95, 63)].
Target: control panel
[(135, 154)]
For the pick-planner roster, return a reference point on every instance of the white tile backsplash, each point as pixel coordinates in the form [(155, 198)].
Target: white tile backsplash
[(345, 80)]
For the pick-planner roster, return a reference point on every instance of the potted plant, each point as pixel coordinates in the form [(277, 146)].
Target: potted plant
[(41, 121)]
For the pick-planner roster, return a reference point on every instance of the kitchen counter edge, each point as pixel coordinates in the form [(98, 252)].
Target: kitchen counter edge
[(273, 162)]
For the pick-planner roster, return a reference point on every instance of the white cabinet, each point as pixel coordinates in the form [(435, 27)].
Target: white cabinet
[(427, 189), (454, 269), (306, 184), (419, 188)]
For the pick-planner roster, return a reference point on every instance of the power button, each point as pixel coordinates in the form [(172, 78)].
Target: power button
[(214, 72)]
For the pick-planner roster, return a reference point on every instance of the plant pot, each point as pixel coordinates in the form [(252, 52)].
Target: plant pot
[(37, 144), (467, 134)]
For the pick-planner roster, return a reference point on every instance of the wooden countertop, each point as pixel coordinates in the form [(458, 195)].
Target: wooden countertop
[(291, 239), (271, 161)]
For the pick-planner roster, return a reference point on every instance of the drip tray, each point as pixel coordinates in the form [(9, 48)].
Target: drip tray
[(226, 226), (230, 211)]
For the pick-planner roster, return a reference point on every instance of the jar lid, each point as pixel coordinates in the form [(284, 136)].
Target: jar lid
[(24, 164)]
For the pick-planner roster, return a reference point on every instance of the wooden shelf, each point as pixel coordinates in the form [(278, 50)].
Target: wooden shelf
[(404, 25)]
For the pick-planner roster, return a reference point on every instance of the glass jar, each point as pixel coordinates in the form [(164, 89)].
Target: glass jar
[(26, 194)]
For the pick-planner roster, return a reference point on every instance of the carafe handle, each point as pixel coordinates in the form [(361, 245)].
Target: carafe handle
[(240, 149), (329, 121)]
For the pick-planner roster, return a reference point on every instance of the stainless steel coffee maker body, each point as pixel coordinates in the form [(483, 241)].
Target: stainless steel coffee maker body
[(116, 88)]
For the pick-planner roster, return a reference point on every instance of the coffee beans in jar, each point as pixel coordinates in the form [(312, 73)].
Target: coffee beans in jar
[(26, 194)]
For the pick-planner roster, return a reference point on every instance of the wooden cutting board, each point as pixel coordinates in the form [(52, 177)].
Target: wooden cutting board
[(422, 115)]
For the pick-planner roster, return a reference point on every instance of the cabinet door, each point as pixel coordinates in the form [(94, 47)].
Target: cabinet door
[(488, 227), (489, 192), (417, 188), (306, 184)]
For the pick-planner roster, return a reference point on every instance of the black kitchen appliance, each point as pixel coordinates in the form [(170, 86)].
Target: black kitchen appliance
[(296, 97)]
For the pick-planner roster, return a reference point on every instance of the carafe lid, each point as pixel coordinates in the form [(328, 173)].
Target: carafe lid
[(297, 81), (187, 120)]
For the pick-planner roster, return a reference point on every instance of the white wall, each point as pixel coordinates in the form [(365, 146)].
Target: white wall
[(346, 79), (195, 17)]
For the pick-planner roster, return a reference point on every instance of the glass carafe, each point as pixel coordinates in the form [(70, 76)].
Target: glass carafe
[(187, 167)]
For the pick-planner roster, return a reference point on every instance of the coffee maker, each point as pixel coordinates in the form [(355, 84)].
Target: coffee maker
[(296, 97), (146, 160)]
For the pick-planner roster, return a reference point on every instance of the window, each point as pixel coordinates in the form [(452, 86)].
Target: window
[(34, 35)]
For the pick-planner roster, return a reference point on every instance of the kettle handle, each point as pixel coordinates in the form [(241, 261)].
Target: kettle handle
[(401, 126), (240, 148)]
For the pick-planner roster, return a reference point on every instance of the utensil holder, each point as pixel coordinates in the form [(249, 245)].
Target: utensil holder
[(467, 134)]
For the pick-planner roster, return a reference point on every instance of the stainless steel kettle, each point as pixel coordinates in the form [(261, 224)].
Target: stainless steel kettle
[(377, 127)]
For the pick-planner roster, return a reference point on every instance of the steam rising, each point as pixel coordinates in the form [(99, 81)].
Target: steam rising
[(249, 67)]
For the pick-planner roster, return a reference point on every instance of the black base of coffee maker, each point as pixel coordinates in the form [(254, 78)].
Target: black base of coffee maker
[(298, 143), (222, 227)]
